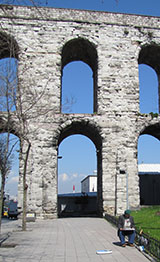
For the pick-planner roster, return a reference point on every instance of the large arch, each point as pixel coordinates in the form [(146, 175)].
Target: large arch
[(147, 180), (93, 133), (9, 55), (81, 49), (150, 55)]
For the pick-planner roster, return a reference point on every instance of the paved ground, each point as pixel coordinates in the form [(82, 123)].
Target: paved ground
[(67, 240)]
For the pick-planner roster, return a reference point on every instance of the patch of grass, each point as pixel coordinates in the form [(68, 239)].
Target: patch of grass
[(148, 220)]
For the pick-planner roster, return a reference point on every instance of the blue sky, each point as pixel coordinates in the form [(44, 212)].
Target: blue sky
[(120, 6), (78, 152)]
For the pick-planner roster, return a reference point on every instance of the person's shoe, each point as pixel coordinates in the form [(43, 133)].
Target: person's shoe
[(130, 244), (123, 245)]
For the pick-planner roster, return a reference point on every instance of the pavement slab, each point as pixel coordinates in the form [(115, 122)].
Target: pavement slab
[(67, 240)]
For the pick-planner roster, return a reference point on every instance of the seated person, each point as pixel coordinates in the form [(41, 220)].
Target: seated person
[(126, 228)]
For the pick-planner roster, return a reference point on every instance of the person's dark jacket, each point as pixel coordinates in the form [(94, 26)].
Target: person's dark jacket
[(121, 221)]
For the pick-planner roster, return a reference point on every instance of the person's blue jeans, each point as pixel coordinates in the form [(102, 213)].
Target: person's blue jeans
[(129, 234)]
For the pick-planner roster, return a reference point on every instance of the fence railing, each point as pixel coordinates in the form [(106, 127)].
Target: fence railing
[(151, 245)]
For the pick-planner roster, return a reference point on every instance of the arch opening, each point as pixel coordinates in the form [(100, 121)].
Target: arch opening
[(81, 50), (75, 164), (86, 157), (150, 55), (77, 88), (8, 72), (149, 168), (148, 83), (9, 169), (8, 84), (9, 142)]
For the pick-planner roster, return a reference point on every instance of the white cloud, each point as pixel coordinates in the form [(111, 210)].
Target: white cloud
[(63, 177), (74, 175), (66, 182)]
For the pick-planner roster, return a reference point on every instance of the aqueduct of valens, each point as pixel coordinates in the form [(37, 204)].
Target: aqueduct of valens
[(44, 40)]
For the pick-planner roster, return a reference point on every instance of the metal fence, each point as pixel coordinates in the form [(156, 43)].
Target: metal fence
[(151, 245)]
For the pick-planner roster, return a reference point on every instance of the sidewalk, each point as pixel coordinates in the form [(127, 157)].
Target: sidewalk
[(67, 240)]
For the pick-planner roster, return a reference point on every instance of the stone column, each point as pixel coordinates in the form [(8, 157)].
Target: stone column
[(49, 183)]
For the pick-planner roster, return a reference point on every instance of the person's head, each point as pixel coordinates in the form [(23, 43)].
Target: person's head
[(127, 213)]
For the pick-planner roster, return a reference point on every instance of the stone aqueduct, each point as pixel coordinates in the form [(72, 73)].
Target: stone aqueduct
[(44, 40)]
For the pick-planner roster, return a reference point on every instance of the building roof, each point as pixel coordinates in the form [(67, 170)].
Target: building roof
[(149, 168), (87, 177), (78, 194)]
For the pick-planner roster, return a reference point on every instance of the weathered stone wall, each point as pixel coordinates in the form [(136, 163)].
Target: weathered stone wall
[(116, 124)]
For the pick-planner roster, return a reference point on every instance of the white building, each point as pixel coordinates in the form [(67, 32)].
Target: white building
[(149, 169), (89, 184), (149, 181)]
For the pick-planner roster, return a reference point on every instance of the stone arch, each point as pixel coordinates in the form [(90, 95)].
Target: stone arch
[(12, 125), (152, 129), (149, 128), (8, 46), (80, 49), (150, 55), (93, 133), (84, 128)]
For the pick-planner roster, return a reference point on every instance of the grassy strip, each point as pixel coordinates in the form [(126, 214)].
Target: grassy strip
[(148, 220)]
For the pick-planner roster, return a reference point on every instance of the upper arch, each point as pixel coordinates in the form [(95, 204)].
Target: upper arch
[(79, 49), (8, 46), (150, 55)]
